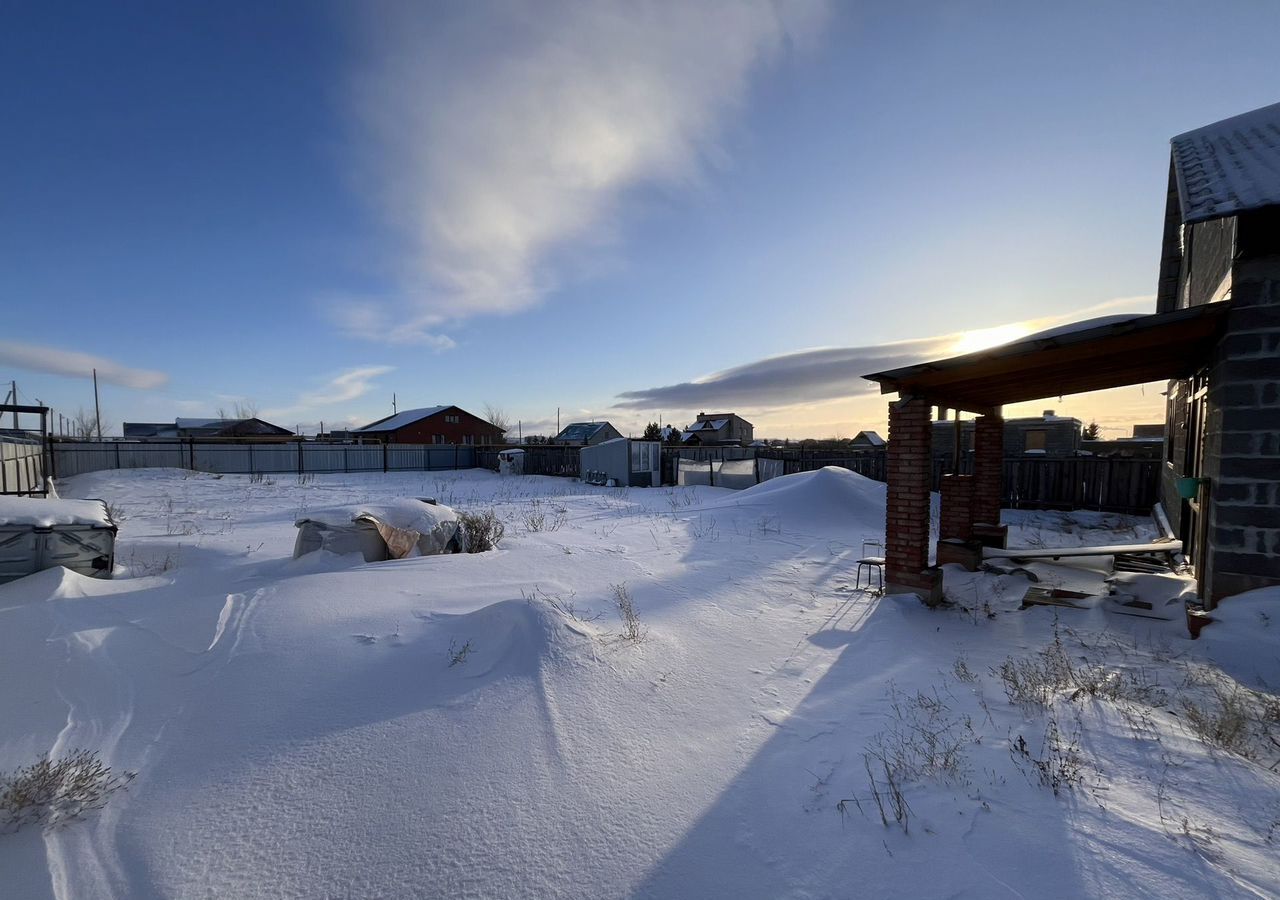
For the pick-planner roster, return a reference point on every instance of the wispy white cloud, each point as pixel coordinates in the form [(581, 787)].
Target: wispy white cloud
[(341, 388), (74, 364), (498, 133)]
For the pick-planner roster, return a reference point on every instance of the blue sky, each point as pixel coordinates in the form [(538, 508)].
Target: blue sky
[(595, 207)]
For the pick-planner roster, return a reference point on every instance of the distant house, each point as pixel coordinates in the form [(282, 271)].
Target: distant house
[(718, 428), (1046, 435), (431, 425), (1149, 431), (586, 434), (868, 440), (205, 429)]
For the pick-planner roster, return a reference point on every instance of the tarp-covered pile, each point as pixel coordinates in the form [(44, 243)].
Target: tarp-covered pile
[(394, 529)]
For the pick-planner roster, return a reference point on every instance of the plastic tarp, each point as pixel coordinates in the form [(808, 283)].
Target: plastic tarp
[(770, 468), (731, 473), (378, 531)]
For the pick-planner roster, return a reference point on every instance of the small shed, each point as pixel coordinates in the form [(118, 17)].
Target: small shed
[(37, 534), (623, 462), (511, 462)]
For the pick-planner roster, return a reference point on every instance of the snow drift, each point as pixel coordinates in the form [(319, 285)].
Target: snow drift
[(830, 497)]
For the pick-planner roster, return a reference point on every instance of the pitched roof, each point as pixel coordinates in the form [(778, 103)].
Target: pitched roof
[(580, 431), (1230, 166), (400, 420)]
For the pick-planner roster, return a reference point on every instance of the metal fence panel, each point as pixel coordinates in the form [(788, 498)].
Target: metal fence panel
[(21, 466)]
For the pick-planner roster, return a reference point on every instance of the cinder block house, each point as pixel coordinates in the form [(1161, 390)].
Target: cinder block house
[(431, 425), (1222, 246), (1215, 337)]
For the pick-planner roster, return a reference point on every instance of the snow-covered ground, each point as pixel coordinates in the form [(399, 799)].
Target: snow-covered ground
[(478, 726)]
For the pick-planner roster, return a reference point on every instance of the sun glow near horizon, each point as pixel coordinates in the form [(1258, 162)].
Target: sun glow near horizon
[(982, 338)]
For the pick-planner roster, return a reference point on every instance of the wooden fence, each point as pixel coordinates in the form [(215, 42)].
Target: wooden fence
[(539, 459)]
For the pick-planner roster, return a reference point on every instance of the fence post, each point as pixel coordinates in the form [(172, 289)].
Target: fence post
[(117, 456), (711, 471), (384, 457), (251, 470), (455, 456), (346, 465), (191, 454), (301, 466)]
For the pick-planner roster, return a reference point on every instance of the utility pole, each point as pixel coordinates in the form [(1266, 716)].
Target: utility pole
[(13, 392), (97, 408), (393, 403), (557, 420)]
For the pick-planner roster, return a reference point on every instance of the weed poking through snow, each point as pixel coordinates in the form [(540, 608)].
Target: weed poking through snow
[(483, 530), (458, 655), (52, 793), (632, 631)]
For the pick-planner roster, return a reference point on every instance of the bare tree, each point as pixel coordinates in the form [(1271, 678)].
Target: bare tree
[(497, 416), (241, 409), (83, 424)]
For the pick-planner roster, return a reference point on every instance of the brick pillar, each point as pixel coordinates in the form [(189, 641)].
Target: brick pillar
[(909, 467), (988, 469), (957, 507)]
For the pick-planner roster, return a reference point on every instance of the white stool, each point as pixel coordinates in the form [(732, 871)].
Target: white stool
[(870, 564)]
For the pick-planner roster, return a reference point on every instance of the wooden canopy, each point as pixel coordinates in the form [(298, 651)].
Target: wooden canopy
[(1065, 361)]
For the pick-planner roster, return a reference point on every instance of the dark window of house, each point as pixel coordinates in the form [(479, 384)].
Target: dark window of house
[(1035, 440)]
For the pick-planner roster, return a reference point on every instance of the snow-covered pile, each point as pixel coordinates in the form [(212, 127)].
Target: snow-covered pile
[(405, 527), (826, 499), (479, 725)]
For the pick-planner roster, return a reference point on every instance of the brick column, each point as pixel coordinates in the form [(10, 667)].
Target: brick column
[(988, 469), (957, 507), (909, 466)]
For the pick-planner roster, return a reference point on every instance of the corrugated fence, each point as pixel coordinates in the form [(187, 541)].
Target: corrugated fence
[(78, 457), (21, 465), (1119, 485)]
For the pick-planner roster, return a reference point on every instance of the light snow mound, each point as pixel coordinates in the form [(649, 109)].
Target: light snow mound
[(511, 638), (1244, 637), (828, 497), (60, 583)]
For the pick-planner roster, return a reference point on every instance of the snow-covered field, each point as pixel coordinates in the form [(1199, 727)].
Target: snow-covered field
[(478, 725)]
